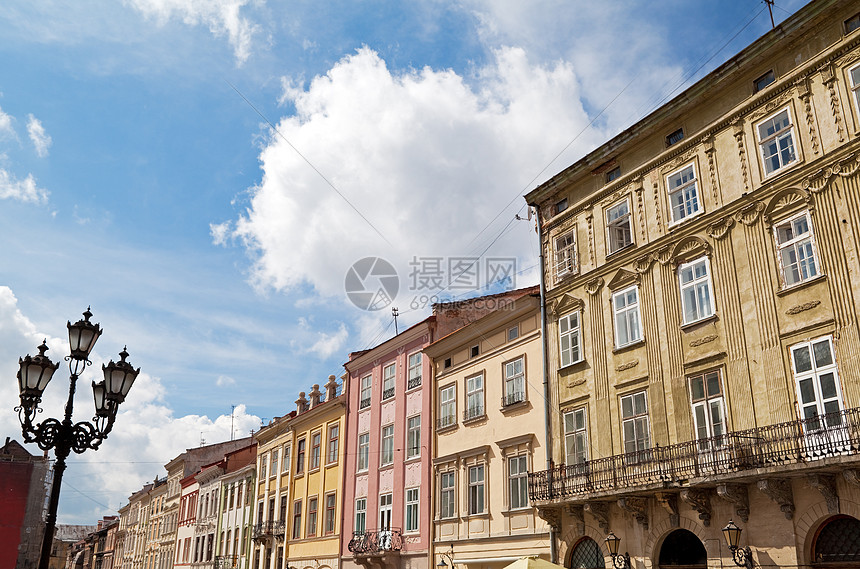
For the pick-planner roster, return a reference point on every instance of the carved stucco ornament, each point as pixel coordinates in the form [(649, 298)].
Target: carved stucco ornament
[(749, 215), (818, 181), (592, 287), (552, 516), (785, 200), (577, 514), (736, 494), (720, 228), (700, 501), (779, 490), (626, 366), (803, 307), (637, 506), (852, 476), (826, 484), (600, 512), (703, 340), (669, 502), (738, 131)]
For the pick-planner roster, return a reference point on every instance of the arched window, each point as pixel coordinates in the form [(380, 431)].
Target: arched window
[(586, 555), (838, 541), (682, 549)]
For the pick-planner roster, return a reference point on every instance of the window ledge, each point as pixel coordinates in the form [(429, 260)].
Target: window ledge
[(675, 224), (475, 419), (801, 285), (481, 516), (452, 427), (452, 519), (630, 346), (690, 325), (411, 459), (313, 470), (617, 251), (514, 406), (388, 466), (515, 511), (572, 366)]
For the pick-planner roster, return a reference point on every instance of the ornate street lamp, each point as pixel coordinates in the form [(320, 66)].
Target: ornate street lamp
[(34, 373), (612, 543), (741, 556)]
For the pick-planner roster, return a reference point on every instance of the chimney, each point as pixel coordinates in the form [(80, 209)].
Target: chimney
[(331, 388), (301, 403), (315, 395)]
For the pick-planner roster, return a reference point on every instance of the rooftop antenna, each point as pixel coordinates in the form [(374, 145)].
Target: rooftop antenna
[(770, 9), (232, 408), (395, 314), (202, 440)]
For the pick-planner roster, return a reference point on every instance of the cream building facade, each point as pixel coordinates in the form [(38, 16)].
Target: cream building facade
[(702, 282)]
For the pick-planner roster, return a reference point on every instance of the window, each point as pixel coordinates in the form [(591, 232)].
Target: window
[(575, 437), (364, 399), (634, 424), (447, 363), (274, 470), (565, 255), (625, 307), (475, 351), (333, 434), (568, 339), (515, 382), (285, 463), (414, 379), (513, 333), (316, 441), (263, 463), (683, 193), (300, 456), (411, 509), (706, 397), (312, 517), (297, 519), (613, 174), (283, 512), (413, 436), (446, 484), (818, 389), (559, 206), (387, 445), (852, 23), (763, 81), (855, 83), (796, 246), (363, 451), (476, 489), (474, 397), (518, 482), (618, 227), (447, 406), (388, 373), (776, 140), (360, 515), (675, 137), (695, 281), (330, 512)]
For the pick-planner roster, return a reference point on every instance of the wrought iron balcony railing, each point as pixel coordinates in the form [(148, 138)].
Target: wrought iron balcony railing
[(388, 393), (364, 403), (226, 562), (473, 412), (376, 542), (413, 382), (794, 442), (513, 398), (445, 421), (272, 528)]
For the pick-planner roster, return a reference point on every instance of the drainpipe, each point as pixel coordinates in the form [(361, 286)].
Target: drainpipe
[(547, 396)]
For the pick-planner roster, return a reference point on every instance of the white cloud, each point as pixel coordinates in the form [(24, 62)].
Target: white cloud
[(6, 128), (223, 17), (41, 139), (329, 344), (427, 159), (22, 190), (224, 380)]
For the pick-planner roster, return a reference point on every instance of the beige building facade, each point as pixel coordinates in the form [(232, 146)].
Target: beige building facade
[(489, 433), (702, 299)]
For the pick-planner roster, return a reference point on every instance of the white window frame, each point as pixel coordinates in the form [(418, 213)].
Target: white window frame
[(684, 199), (708, 404), (515, 381), (360, 526), (366, 391), (447, 494), (414, 374), (410, 517), (413, 436), (477, 494), (627, 316), (333, 443), (363, 460), (803, 244), (565, 254), (639, 422), (782, 134), (855, 86), (570, 339), (576, 436), (386, 445), (701, 287), (475, 404), (615, 224), (447, 406), (389, 376), (823, 402), (286, 459), (518, 481)]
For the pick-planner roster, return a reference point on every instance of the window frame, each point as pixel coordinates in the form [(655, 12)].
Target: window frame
[(707, 403), (683, 189), (362, 461), (333, 445), (447, 419), (633, 308), (638, 453), (573, 332), (411, 511), (577, 431), (696, 284), (360, 514), (414, 370), (313, 509), (793, 244), (816, 373), (447, 494), (286, 460), (386, 445), (301, 446), (330, 521), (315, 457), (297, 519), (854, 86), (520, 479), (615, 225), (389, 380), (365, 393), (477, 489), (514, 396), (273, 463), (777, 136), (564, 247), (474, 392), (413, 431)]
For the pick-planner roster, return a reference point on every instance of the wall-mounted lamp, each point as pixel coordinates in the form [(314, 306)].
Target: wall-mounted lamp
[(619, 561), (742, 556), (449, 556)]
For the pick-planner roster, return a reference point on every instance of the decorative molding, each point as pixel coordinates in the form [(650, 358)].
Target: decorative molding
[(852, 476), (593, 287), (577, 512), (803, 307), (689, 248), (847, 59), (623, 278), (664, 255), (826, 484), (600, 512), (669, 502), (628, 365), (828, 77), (566, 303), (589, 218), (700, 501), (749, 215), (736, 494), (643, 264), (639, 190), (552, 516), (779, 490), (638, 507), (720, 228), (771, 105), (678, 161), (785, 200), (844, 168), (703, 340), (738, 129), (805, 94), (657, 207), (711, 153), (576, 382)]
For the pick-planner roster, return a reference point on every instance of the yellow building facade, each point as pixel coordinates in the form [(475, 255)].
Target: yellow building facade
[(702, 299)]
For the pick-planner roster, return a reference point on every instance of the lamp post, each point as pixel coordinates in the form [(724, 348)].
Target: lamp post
[(619, 561), (442, 556), (742, 556), (34, 373)]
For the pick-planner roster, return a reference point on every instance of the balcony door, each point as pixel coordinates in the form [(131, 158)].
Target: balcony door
[(385, 509)]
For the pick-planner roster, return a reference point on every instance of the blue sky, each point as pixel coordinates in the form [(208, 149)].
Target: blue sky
[(136, 179)]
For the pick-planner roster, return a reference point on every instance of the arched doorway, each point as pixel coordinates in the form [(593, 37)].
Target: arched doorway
[(586, 554), (837, 543), (682, 549)]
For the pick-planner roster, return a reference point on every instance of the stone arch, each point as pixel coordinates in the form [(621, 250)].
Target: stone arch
[(659, 532), (785, 200), (572, 537), (806, 528)]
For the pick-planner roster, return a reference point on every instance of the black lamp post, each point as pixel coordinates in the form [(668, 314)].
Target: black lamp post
[(742, 556), (619, 561), (63, 436)]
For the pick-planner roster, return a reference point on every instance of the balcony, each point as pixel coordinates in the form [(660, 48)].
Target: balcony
[(226, 562), (265, 531), (513, 398), (446, 421), (472, 413), (376, 542), (413, 382), (364, 403), (388, 393), (794, 445)]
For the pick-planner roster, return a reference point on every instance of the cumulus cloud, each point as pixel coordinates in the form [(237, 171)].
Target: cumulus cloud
[(223, 17), (224, 381), (329, 344), (426, 157), (24, 190), (6, 128), (41, 139)]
